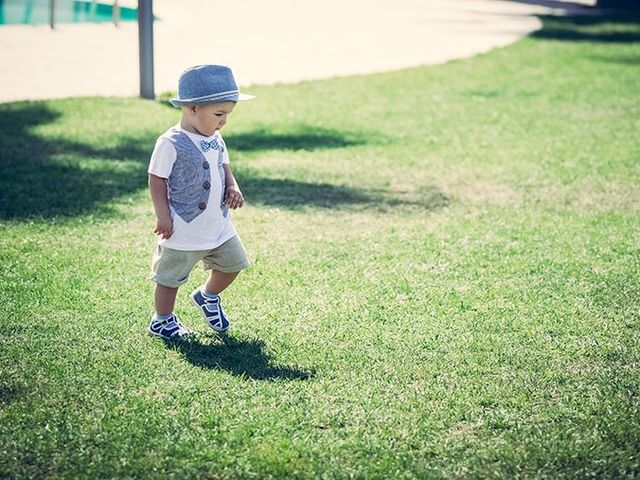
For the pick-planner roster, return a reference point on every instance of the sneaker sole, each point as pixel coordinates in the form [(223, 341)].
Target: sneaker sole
[(158, 335), (206, 320), (164, 337)]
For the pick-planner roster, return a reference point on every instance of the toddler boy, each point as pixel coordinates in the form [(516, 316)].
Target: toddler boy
[(192, 189)]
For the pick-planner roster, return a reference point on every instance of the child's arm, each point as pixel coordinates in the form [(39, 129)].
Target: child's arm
[(232, 194), (158, 190)]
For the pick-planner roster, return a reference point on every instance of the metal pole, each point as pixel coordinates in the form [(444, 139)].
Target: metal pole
[(145, 40), (52, 17), (116, 13)]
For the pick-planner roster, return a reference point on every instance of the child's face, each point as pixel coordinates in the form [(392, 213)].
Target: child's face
[(209, 118)]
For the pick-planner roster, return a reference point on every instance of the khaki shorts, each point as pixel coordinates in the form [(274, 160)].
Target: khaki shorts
[(171, 268)]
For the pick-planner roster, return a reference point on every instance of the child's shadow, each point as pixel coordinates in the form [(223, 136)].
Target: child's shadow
[(240, 357)]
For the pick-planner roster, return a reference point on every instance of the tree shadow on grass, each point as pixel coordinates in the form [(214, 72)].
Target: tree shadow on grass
[(604, 28), (295, 195), (296, 137), (557, 4), (245, 358), (619, 60), (48, 177), (9, 393)]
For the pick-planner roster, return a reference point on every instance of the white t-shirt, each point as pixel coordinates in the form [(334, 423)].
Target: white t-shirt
[(209, 229)]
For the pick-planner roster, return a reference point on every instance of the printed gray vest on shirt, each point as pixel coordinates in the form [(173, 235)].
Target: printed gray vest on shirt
[(190, 180)]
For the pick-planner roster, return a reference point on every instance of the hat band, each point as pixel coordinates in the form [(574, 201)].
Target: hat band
[(215, 96)]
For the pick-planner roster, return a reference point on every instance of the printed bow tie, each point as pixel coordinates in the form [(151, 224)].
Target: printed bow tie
[(212, 145)]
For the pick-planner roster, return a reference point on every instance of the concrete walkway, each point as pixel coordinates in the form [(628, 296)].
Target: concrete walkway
[(263, 41)]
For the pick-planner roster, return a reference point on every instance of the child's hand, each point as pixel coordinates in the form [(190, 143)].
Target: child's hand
[(164, 227), (233, 197)]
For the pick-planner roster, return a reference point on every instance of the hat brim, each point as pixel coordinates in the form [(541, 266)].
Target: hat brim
[(239, 97)]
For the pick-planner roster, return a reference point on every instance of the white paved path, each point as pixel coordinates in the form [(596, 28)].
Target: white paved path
[(264, 41)]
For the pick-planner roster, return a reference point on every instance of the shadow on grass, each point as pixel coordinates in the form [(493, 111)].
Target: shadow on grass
[(617, 60), (9, 393), (293, 194), (299, 137), (604, 28), (47, 177), (245, 358), (557, 4)]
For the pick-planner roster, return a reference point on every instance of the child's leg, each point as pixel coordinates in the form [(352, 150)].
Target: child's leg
[(228, 256), (164, 323), (207, 299), (170, 267), (218, 281), (165, 299)]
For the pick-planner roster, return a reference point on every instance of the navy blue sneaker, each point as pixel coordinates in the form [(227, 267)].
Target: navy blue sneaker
[(170, 329), (211, 310)]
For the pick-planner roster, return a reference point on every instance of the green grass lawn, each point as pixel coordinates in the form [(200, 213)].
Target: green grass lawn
[(445, 278)]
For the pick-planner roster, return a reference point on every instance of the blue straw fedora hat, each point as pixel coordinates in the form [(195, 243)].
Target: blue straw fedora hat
[(207, 84)]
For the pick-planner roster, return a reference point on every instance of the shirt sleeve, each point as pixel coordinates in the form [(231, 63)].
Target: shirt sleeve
[(162, 158), (225, 152)]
